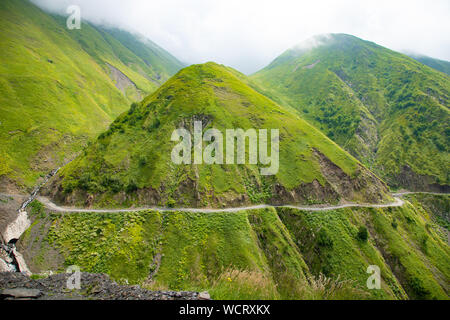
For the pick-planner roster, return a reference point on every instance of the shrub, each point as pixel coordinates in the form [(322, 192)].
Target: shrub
[(154, 125), (37, 208), (133, 107), (69, 186), (394, 224), (363, 235), (418, 288), (112, 184), (131, 187), (171, 202), (324, 240), (142, 161)]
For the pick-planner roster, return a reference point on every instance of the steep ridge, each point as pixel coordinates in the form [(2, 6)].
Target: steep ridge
[(145, 64), (386, 109), (130, 164), (57, 89), (439, 65)]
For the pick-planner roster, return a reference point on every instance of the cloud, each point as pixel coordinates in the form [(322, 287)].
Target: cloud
[(249, 34)]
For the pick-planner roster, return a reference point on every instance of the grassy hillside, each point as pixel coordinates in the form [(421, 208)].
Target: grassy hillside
[(257, 254), (440, 65), (60, 87), (131, 162), (437, 205), (388, 110), (146, 65), (162, 63)]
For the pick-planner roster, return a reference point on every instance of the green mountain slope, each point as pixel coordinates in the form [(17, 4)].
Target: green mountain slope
[(157, 59), (438, 205), (440, 65), (60, 87), (386, 109), (124, 55), (131, 162), (256, 254)]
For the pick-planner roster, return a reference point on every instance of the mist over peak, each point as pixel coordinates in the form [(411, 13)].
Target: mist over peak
[(247, 36)]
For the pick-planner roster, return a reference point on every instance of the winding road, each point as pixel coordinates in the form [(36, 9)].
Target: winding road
[(398, 202), (52, 206)]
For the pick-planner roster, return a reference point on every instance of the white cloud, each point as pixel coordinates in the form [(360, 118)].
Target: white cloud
[(248, 34)]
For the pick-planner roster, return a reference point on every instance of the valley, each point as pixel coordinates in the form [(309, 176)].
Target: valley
[(161, 179)]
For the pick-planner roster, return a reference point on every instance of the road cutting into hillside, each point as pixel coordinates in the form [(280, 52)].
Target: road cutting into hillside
[(54, 207)]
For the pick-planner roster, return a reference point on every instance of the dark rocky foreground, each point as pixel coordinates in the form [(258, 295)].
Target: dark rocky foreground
[(14, 285)]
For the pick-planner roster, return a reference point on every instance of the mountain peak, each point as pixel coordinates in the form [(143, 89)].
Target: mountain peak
[(131, 162), (324, 39)]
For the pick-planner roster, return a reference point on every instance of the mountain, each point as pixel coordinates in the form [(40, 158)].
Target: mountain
[(131, 163), (388, 110), (439, 65), (60, 88)]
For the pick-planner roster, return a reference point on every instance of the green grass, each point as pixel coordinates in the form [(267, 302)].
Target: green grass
[(438, 207), (330, 245), (256, 254), (243, 285), (417, 251), (411, 255), (55, 88), (385, 108)]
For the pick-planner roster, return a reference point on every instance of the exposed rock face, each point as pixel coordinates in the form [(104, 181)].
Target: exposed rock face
[(10, 259), (366, 139), (7, 262), (122, 82), (15, 229), (365, 182), (20, 262), (416, 182), (9, 203), (93, 286), (4, 266), (20, 293), (12, 225)]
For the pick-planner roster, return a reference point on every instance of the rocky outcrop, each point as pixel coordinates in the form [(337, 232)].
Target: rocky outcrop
[(9, 203), (15, 229), (122, 82), (416, 182), (7, 259), (10, 259), (364, 183), (93, 287), (20, 262), (5, 266), (13, 223)]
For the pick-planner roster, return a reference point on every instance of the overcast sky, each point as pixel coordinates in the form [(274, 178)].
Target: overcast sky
[(249, 34)]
